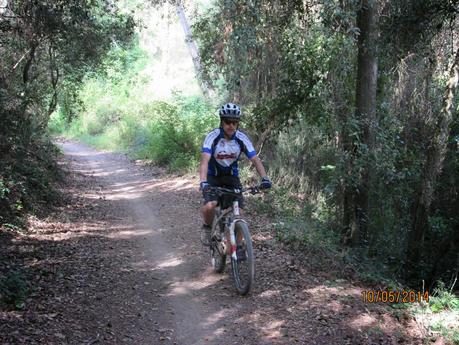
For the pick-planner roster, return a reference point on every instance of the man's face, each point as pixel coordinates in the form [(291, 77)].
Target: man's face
[(230, 126)]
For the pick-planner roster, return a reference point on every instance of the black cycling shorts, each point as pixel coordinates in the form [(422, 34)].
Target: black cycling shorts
[(228, 181)]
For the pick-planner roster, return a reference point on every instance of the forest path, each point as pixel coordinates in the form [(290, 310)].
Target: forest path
[(176, 297), (124, 265)]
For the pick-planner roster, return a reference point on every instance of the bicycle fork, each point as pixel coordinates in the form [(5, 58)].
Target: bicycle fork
[(231, 229)]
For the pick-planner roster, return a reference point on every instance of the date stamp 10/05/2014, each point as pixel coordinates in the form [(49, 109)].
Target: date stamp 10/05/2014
[(395, 296)]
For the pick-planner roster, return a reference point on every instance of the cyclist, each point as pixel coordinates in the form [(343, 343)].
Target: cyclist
[(221, 151)]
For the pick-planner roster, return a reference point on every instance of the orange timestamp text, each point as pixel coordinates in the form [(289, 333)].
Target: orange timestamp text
[(397, 296)]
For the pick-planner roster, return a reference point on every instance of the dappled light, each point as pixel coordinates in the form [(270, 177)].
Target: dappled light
[(130, 242), (272, 330), (363, 321), (117, 117), (122, 233), (170, 263)]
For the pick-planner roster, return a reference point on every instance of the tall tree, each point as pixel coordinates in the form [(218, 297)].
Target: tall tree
[(42, 44), (433, 165), (356, 200), (192, 48)]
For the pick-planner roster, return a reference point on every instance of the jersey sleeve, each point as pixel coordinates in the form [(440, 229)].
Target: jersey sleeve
[(208, 141), (249, 150)]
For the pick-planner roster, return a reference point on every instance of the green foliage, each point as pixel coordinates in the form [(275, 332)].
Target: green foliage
[(273, 65), (441, 314), (118, 116), (410, 24), (451, 335), (442, 299), (292, 66), (11, 194), (14, 290), (47, 47), (26, 180), (172, 134), (57, 122)]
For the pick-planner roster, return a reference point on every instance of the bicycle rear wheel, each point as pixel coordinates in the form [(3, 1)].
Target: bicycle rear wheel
[(243, 268)]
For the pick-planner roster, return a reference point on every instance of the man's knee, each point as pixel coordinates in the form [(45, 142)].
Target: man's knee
[(209, 206)]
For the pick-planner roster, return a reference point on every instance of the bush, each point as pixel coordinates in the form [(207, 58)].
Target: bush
[(175, 132), (26, 178), (117, 113), (57, 123), (442, 299)]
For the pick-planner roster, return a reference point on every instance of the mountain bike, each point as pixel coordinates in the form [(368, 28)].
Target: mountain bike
[(230, 236)]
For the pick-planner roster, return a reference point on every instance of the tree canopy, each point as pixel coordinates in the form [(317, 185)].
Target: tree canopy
[(45, 46), (294, 66)]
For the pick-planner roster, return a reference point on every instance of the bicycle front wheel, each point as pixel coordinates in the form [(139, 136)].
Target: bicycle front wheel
[(243, 268)]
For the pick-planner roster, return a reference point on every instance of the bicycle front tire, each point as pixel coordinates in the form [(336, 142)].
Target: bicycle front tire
[(243, 268)]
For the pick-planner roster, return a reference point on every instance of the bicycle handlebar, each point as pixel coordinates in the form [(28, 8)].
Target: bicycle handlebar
[(252, 190)]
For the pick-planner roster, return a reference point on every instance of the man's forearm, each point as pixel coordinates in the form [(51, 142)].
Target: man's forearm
[(256, 161), (203, 166), (203, 172)]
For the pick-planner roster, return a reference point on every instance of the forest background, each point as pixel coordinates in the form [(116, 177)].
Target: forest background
[(352, 106)]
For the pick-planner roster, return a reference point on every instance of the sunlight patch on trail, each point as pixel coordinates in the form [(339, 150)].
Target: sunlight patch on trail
[(109, 173), (59, 231), (181, 288), (83, 153), (88, 172), (270, 293), (322, 290), (363, 321), (272, 329), (173, 185), (124, 234), (171, 262), (126, 194)]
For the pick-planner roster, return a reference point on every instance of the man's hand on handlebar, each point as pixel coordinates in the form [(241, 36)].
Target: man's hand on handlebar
[(265, 183), (204, 187)]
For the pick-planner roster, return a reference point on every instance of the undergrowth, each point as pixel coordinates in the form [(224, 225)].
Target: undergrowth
[(118, 112), (440, 316), (27, 180)]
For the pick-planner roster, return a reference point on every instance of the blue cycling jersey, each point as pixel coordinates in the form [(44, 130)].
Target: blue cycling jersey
[(225, 153)]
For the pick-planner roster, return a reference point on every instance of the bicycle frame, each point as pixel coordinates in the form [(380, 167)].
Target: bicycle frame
[(236, 213), (230, 236), (234, 209), (235, 217)]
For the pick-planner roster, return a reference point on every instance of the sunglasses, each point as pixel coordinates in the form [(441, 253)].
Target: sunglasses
[(231, 122)]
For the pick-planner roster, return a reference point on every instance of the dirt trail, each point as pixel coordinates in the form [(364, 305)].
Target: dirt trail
[(127, 267), (164, 222)]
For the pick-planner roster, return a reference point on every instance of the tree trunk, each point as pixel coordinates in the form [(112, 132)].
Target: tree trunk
[(28, 64), (54, 76), (432, 168), (192, 48), (356, 199)]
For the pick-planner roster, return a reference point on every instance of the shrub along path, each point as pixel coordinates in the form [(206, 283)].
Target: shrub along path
[(120, 263)]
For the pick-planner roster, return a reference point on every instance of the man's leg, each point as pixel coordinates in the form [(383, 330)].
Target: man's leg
[(208, 211)]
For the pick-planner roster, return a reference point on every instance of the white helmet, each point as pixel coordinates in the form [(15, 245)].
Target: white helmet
[(230, 111)]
